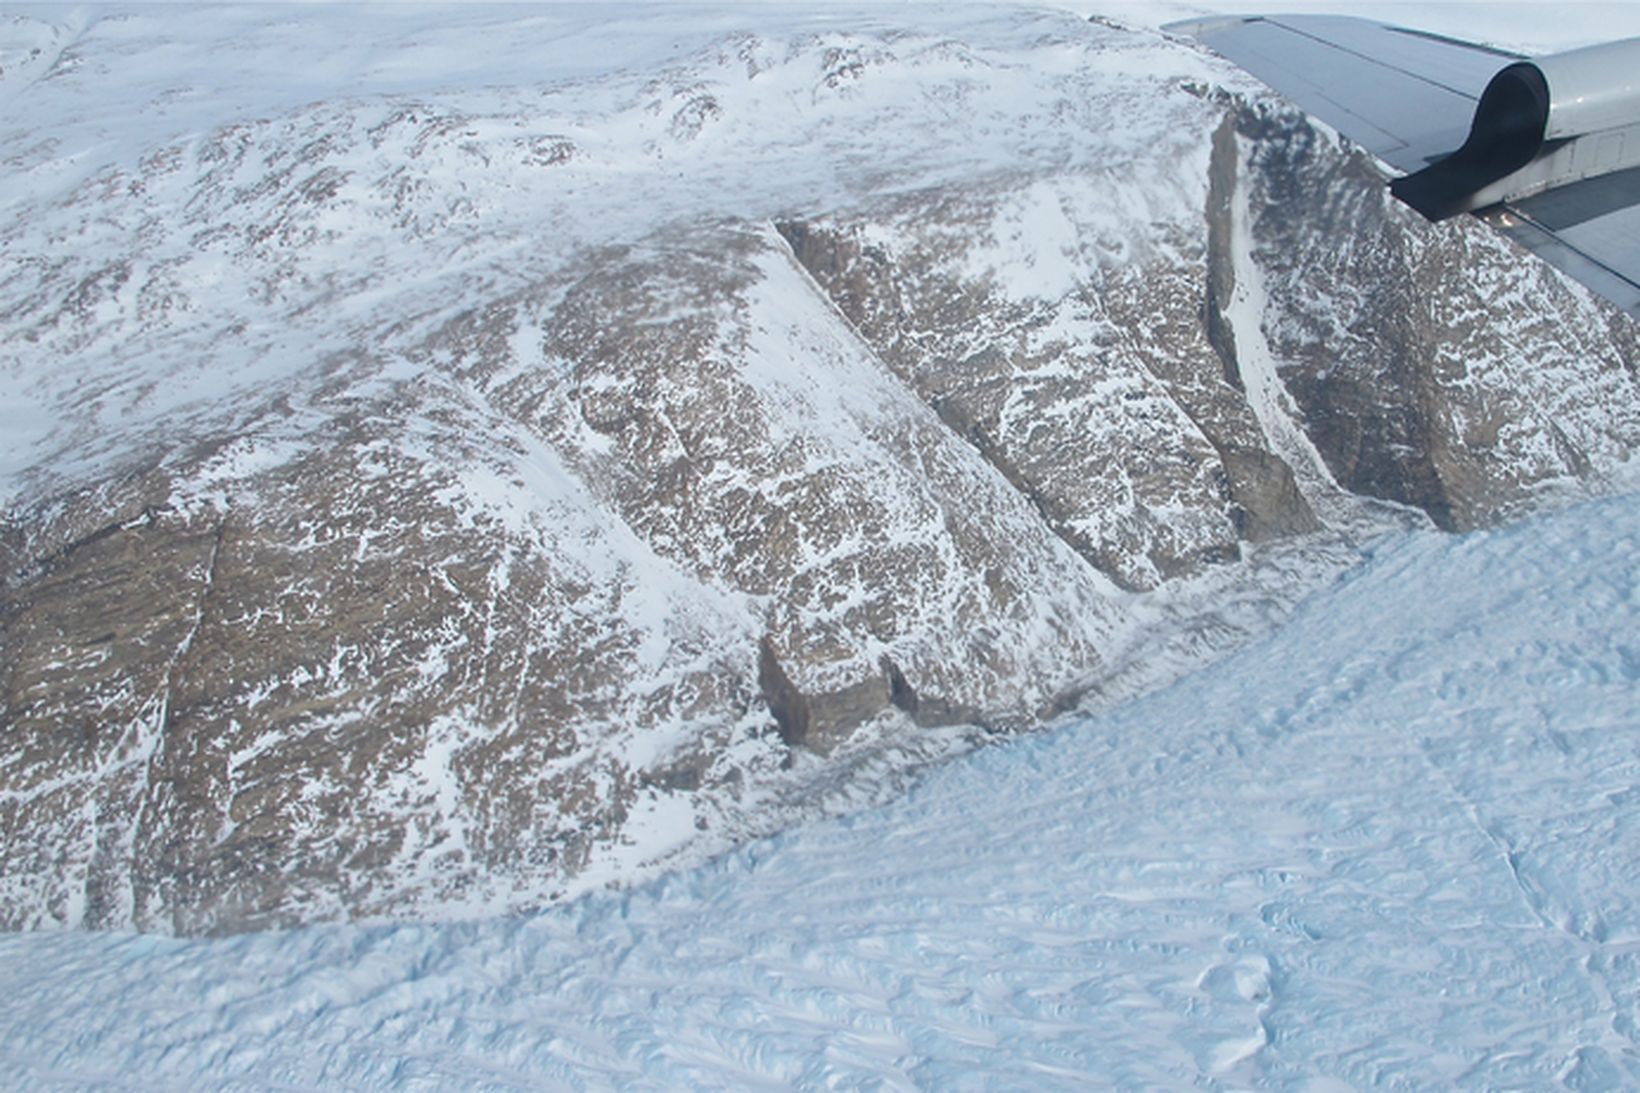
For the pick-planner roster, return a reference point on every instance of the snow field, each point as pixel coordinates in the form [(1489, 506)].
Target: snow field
[(1397, 842)]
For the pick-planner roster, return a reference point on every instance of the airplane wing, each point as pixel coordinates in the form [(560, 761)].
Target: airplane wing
[(1546, 150)]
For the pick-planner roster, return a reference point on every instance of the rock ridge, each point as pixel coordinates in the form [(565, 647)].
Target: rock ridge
[(645, 543)]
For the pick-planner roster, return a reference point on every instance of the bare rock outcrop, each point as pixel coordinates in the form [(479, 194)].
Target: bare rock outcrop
[(420, 531)]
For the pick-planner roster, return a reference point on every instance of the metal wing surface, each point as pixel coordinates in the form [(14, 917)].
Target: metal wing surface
[(1405, 96), (1409, 97), (1590, 230)]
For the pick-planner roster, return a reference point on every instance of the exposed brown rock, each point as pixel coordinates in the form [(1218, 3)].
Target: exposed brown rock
[(694, 520)]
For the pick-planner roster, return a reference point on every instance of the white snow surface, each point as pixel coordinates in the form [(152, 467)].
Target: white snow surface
[(1395, 843), (201, 202)]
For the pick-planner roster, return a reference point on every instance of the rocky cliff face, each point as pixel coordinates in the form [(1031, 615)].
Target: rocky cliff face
[(441, 504), (1436, 366)]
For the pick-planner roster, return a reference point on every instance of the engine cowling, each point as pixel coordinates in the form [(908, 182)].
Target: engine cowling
[(1592, 89), (1540, 124)]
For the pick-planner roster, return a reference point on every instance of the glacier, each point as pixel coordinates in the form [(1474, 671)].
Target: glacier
[(1397, 842)]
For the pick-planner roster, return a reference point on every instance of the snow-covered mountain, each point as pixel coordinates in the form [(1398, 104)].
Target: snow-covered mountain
[(509, 450), (1394, 844)]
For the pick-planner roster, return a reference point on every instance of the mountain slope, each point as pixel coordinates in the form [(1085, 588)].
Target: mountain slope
[(449, 487), (1394, 842)]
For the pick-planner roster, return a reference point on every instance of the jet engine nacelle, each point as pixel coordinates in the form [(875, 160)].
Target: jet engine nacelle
[(1540, 124)]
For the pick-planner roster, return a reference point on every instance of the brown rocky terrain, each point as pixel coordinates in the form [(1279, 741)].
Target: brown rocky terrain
[(682, 529)]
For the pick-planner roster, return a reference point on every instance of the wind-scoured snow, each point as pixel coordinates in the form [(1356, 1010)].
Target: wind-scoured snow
[(1397, 842)]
